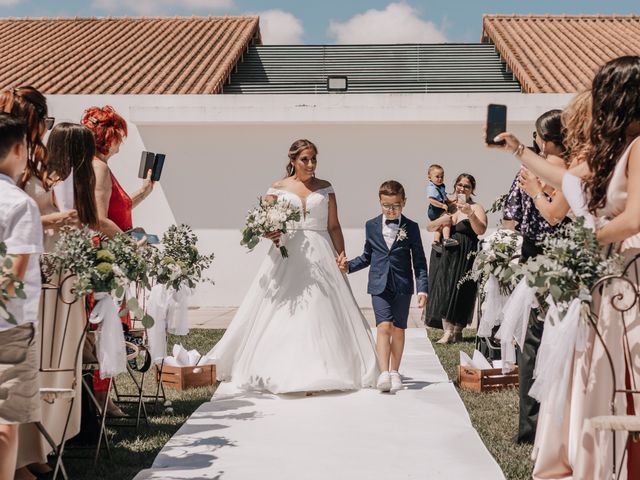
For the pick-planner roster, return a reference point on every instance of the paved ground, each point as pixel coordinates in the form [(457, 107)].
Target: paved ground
[(421, 432), (219, 317)]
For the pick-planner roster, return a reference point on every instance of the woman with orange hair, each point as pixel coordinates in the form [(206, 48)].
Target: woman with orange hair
[(113, 203)]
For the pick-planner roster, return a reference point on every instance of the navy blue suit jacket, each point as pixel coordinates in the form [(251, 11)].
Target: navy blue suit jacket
[(396, 261)]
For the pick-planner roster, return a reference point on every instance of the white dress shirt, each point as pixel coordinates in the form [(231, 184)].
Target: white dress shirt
[(390, 232)]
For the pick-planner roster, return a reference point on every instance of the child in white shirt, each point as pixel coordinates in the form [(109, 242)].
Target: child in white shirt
[(21, 231)]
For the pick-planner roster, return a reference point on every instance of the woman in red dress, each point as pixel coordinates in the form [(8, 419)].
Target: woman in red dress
[(114, 205)]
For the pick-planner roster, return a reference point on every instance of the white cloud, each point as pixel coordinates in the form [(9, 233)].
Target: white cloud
[(159, 7), (9, 3), (397, 23), (280, 28)]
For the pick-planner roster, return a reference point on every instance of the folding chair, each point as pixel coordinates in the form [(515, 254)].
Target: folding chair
[(61, 339), (625, 301)]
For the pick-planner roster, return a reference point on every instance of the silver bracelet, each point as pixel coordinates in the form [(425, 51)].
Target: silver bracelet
[(518, 151)]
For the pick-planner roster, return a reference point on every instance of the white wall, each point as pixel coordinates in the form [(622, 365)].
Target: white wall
[(224, 151)]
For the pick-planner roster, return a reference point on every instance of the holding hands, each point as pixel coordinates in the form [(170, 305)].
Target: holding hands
[(341, 261)]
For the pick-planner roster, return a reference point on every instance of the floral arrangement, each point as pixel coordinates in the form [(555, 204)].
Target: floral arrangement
[(8, 282), (267, 217), (572, 262), (130, 258), (179, 263), (99, 266), (81, 252), (496, 258)]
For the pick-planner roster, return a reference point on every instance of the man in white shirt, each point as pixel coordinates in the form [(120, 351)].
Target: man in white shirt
[(21, 231)]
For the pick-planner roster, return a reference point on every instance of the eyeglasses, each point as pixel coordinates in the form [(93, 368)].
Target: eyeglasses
[(49, 121), (391, 206), (464, 185)]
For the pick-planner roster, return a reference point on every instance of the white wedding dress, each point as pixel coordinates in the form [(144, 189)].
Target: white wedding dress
[(299, 327)]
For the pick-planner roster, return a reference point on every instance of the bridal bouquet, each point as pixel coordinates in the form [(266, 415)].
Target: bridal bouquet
[(8, 281), (268, 217)]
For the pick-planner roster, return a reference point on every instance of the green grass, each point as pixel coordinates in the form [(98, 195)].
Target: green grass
[(133, 451), (494, 415)]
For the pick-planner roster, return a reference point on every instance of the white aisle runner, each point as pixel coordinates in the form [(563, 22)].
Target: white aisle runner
[(422, 432)]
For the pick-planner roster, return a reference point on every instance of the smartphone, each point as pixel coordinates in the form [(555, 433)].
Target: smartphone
[(146, 163), (157, 166), (461, 198), (496, 122)]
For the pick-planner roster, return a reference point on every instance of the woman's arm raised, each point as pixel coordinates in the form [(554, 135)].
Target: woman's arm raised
[(547, 171)]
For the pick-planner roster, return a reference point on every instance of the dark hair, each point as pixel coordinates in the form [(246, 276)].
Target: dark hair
[(72, 147), (549, 126), (616, 104), (107, 126), (30, 106), (12, 131), (434, 166), (391, 187), (472, 181), (296, 149)]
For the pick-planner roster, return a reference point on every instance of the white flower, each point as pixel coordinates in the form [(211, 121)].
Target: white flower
[(402, 234)]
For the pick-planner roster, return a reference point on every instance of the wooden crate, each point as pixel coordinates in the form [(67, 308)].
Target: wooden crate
[(486, 380), (181, 378)]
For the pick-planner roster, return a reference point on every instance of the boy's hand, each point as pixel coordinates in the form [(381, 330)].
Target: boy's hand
[(341, 261), (422, 301)]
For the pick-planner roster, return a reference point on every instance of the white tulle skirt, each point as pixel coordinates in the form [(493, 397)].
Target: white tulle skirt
[(299, 327)]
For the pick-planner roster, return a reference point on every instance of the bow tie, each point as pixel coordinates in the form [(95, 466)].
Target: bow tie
[(396, 221)]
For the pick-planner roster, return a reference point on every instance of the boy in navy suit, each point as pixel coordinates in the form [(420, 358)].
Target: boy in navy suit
[(393, 250)]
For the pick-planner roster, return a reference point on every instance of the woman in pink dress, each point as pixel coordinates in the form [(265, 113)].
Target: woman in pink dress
[(604, 190)]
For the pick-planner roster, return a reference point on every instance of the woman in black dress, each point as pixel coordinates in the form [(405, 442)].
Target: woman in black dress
[(450, 306)]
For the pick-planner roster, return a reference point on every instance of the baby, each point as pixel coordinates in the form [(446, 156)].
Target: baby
[(438, 206)]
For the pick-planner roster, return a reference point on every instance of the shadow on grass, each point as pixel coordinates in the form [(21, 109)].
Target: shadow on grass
[(493, 414), (134, 451)]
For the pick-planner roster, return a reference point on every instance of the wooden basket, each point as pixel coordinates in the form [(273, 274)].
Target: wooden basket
[(486, 380), (181, 378)]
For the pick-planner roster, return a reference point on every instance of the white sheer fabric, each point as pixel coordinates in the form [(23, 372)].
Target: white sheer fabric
[(299, 327)]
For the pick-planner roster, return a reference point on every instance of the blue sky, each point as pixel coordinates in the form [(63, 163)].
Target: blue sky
[(331, 21)]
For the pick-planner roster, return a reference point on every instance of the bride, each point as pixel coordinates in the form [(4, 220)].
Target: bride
[(299, 328)]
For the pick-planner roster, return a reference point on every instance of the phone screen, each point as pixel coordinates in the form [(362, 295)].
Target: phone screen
[(496, 122)]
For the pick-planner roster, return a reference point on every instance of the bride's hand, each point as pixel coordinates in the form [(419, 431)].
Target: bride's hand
[(274, 237)]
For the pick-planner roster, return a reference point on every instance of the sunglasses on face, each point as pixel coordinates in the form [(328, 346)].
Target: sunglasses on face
[(391, 206), (49, 121)]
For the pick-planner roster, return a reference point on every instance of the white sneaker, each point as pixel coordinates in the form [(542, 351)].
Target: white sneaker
[(384, 382), (396, 381)]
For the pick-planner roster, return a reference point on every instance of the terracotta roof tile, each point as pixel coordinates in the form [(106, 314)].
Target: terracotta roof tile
[(120, 55), (557, 54)]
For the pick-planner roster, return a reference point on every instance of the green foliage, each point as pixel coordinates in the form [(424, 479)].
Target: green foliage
[(572, 262), (179, 263), (496, 258), (10, 285)]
